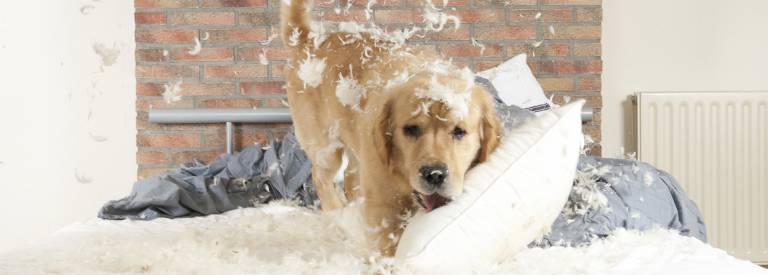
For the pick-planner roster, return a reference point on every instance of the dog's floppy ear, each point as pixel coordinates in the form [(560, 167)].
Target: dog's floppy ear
[(382, 132), (490, 131)]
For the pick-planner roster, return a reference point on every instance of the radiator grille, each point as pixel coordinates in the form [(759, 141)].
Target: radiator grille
[(716, 145)]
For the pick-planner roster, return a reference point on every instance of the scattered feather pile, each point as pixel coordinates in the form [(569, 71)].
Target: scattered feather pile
[(281, 238)]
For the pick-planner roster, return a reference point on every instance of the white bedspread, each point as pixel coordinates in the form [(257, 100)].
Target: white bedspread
[(283, 239)]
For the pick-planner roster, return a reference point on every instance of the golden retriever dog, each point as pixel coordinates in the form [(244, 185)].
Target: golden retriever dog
[(409, 123)]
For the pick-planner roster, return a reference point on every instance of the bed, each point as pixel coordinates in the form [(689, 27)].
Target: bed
[(265, 234), (283, 238)]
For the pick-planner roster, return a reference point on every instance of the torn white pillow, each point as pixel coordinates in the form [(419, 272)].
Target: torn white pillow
[(517, 85), (508, 201)]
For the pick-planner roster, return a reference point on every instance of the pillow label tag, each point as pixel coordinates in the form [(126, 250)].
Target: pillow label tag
[(516, 85)]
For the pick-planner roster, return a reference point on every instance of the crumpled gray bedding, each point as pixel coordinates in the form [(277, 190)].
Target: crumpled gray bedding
[(616, 193), (251, 177), (607, 194)]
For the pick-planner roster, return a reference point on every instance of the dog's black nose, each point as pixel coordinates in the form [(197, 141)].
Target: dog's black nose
[(434, 175)]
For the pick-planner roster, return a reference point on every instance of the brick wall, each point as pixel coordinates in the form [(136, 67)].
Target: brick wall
[(227, 72)]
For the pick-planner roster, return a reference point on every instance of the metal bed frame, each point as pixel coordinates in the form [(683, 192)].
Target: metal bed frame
[(231, 116)]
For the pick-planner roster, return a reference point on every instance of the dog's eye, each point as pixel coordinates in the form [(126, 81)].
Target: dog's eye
[(458, 133), (412, 130)]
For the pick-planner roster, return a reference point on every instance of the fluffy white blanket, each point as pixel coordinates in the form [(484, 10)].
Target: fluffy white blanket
[(284, 239)]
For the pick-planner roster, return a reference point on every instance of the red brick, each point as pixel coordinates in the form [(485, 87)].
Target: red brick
[(319, 3), (165, 3), (164, 36), (188, 156), (449, 33), (231, 103), (207, 89), (553, 84), (150, 55), (597, 117), (553, 50), (570, 67), (589, 84), (437, 3), (144, 173), (168, 140), (462, 63), (352, 15), (273, 53), (205, 54), (275, 103), (187, 89), (592, 49), (235, 3), (218, 139), (237, 35), (363, 3), (260, 18), (504, 3), (149, 18), (235, 71), (151, 157), (574, 32), (572, 2), (593, 132), (262, 88), (457, 3), (245, 139), (523, 15), (505, 32), (534, 65), (144, 105), (591, 101), (479, 16), (424, 49), (149, 89), (589, 15), (485, 65), (398, 16), (278, 69), (202, 18), (596, 150), (513, 50), (557, 15), (242, 139), (459, 50), (166, 71)]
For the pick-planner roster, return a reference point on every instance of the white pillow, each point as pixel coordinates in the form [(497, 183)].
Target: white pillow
[(508, 201), (516, 85)]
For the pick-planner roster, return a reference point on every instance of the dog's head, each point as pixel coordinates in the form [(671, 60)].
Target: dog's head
[(431, 130)]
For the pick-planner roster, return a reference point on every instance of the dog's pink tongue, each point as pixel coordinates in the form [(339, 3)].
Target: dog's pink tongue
[(434, 201)]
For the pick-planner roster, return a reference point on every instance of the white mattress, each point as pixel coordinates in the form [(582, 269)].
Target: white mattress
[(284, 239)]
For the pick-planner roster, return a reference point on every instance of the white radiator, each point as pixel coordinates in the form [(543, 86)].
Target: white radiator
[(716, 145)]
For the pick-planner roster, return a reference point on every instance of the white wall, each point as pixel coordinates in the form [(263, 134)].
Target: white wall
[(62, 115), (679, 45)]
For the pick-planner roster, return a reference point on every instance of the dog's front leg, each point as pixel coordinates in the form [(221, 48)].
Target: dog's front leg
[(386, 220)]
